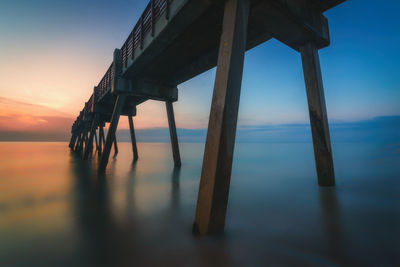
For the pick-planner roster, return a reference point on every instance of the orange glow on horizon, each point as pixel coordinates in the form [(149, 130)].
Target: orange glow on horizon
[(18, 116)]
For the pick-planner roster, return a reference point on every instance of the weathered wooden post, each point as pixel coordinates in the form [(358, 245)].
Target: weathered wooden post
[(83, 140), (77, 143), (104, 138), (119, 104), (72, 141), (83, 143), (115, 144), (318, 115), (89, 143), (173, 134), (133, 139), (101, 138), (95, 138), (217, 163)]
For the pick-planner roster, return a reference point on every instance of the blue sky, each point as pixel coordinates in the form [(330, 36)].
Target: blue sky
[(74, 40)]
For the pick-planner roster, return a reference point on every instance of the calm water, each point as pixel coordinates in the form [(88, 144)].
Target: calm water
[(55, 211)]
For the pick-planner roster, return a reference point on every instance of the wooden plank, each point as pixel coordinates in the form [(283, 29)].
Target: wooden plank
[(318, 115), (133, 139), (217, 163), (119, 103), (173, 134)]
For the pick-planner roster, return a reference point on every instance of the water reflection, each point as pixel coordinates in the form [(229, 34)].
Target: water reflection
[(175, 181), (108, 237), (92, 211), (332, 222), (141, 213)]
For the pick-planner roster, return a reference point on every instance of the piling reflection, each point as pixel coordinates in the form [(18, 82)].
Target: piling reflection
[(175, 181), (110, 237), (92, 212), (130, 200), (141, 214), (332, 224)]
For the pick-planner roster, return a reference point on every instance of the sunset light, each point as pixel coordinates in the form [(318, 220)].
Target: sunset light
[(199, 133)]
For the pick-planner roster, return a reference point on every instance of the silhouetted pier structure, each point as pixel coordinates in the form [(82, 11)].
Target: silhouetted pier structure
[(174, 41)]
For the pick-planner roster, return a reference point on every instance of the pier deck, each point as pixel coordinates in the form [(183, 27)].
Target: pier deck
[(175, 40)]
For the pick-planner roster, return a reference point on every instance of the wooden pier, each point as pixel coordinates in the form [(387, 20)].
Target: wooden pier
[(174, 41)]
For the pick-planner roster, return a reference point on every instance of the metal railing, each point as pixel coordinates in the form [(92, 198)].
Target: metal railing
[(154, 10), (105, 83), (152, 13)]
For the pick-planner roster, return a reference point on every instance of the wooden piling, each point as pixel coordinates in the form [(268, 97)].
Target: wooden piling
[(133, 139), (174, 137), (103, 135), (83, 141), (119, 103), (72, 141), (115, 145), (318, 115), (95, 138), (101, 138), (77, 144), (217, 163), (92, 132)]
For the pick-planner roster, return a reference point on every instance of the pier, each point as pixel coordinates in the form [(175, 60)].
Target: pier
[(176, 40)]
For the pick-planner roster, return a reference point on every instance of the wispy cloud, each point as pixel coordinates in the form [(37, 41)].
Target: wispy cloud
[(381, 129), (21, 120)]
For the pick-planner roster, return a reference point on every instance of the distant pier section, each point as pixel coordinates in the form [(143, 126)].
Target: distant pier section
[(176, 40)]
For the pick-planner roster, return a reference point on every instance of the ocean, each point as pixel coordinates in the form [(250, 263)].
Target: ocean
[(56, 211)]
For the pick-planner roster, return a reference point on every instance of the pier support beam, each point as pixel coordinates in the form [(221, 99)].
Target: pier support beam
[(78, 142), (318, 115), (101, 138), (82, 142), (72, 141), (173, 134), (133, 139), (89, 142), (217, 163), (85, 139), (104, 139), (119, 103), (115, 145), (95, 138)]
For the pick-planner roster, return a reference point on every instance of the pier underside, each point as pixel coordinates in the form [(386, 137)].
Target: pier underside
[(174, 41)]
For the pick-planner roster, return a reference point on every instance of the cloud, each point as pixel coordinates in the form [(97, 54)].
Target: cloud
[(20, 121), (381, 129), (24, 121)]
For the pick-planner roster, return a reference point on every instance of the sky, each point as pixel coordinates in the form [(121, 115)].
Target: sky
[(53, 53)]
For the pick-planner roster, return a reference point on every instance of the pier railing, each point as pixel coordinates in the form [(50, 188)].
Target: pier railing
[(105, 83), (153, 12)]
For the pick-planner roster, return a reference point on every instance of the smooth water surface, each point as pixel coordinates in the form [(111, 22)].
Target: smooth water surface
[(56, 211)]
